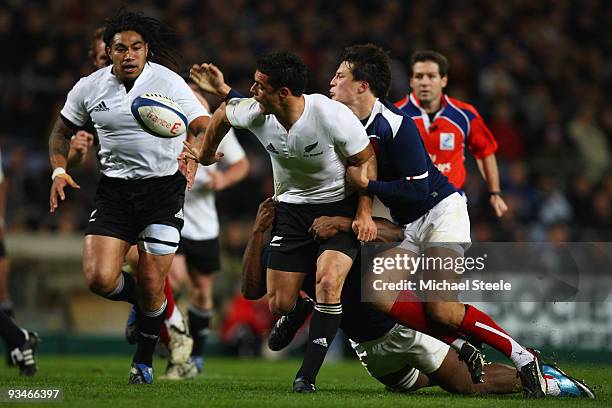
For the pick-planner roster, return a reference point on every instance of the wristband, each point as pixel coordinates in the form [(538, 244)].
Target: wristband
[(495, 193), (232, 94), (57, 172)]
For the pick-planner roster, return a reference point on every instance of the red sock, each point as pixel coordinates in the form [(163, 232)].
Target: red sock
[(409, 310), (165, 338), (491, 333), (169, 298)]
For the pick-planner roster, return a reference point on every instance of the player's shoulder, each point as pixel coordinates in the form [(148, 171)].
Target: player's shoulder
[(326, 107), (95, 78), (390, 117), (165, 73)]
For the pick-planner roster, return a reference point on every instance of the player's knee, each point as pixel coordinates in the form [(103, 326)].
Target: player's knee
[(328, 286), (99, 281), (279, 304)]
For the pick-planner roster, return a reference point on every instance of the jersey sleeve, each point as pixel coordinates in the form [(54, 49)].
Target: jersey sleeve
[(242, 113), (347, 132), (231, 149), (185, 97), (407, 154), (481, 142), (74, 109)]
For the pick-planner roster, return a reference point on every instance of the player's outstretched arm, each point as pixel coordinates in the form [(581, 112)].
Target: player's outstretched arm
[(364, 163), (59, 146), (204, 149), (253, 272), (490, 172)]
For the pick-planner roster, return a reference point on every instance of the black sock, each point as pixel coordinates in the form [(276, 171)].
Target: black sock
[(323, 327), (12, 335), (199, 327), (6, 307), (148, 327), (126, 290)]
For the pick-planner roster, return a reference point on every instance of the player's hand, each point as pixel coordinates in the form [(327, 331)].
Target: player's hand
[(265, 215), (357, 177), (57, 189), (209, 79), (81, 142), (188, 166), (323, 228), (498, 204), (365, 228), (205, 157)]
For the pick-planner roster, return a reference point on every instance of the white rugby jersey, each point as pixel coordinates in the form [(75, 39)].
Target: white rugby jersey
[(308, 162), (127, 151), (200, 212)]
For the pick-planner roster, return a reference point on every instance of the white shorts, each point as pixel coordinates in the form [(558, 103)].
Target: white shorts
[(400, 348), (446, 225)]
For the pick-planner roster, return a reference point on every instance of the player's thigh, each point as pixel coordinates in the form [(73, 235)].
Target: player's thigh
[(453, 375), (447, 225), (400, 355)]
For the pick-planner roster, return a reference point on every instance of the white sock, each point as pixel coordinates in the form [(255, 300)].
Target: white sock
[(520, 356), (458, 343), (552, 387), (176, 319)]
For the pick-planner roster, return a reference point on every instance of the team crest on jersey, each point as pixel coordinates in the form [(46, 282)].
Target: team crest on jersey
[(447, 141)]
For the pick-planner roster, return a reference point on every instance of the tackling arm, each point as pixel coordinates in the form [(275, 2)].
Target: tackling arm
[(364, 163), (326, 227)]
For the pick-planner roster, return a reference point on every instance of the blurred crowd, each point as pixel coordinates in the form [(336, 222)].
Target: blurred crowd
[(537, 72)]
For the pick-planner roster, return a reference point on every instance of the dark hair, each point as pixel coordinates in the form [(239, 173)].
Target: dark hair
[(370, 63), (98, 36), (160, 38), (433, 56), (284, 69)]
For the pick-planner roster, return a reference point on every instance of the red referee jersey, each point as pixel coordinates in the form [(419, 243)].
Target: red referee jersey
[(455, 125)]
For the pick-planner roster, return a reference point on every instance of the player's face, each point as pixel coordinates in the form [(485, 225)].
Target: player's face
[(264, 93), (426, 81), (100, 58), (343, 87), (128, 53)]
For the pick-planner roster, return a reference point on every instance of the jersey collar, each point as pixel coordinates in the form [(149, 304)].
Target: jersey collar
[(424, 115), (146, 71), (376, 109)]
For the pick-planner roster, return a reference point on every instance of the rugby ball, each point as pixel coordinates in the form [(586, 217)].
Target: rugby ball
[(159, 115)]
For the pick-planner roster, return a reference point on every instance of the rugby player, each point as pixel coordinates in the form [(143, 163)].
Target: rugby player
[(310, 140), (402, 359), (140, 195), (433, 212)]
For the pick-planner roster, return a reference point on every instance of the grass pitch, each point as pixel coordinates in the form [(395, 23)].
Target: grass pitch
[(101, 381)]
